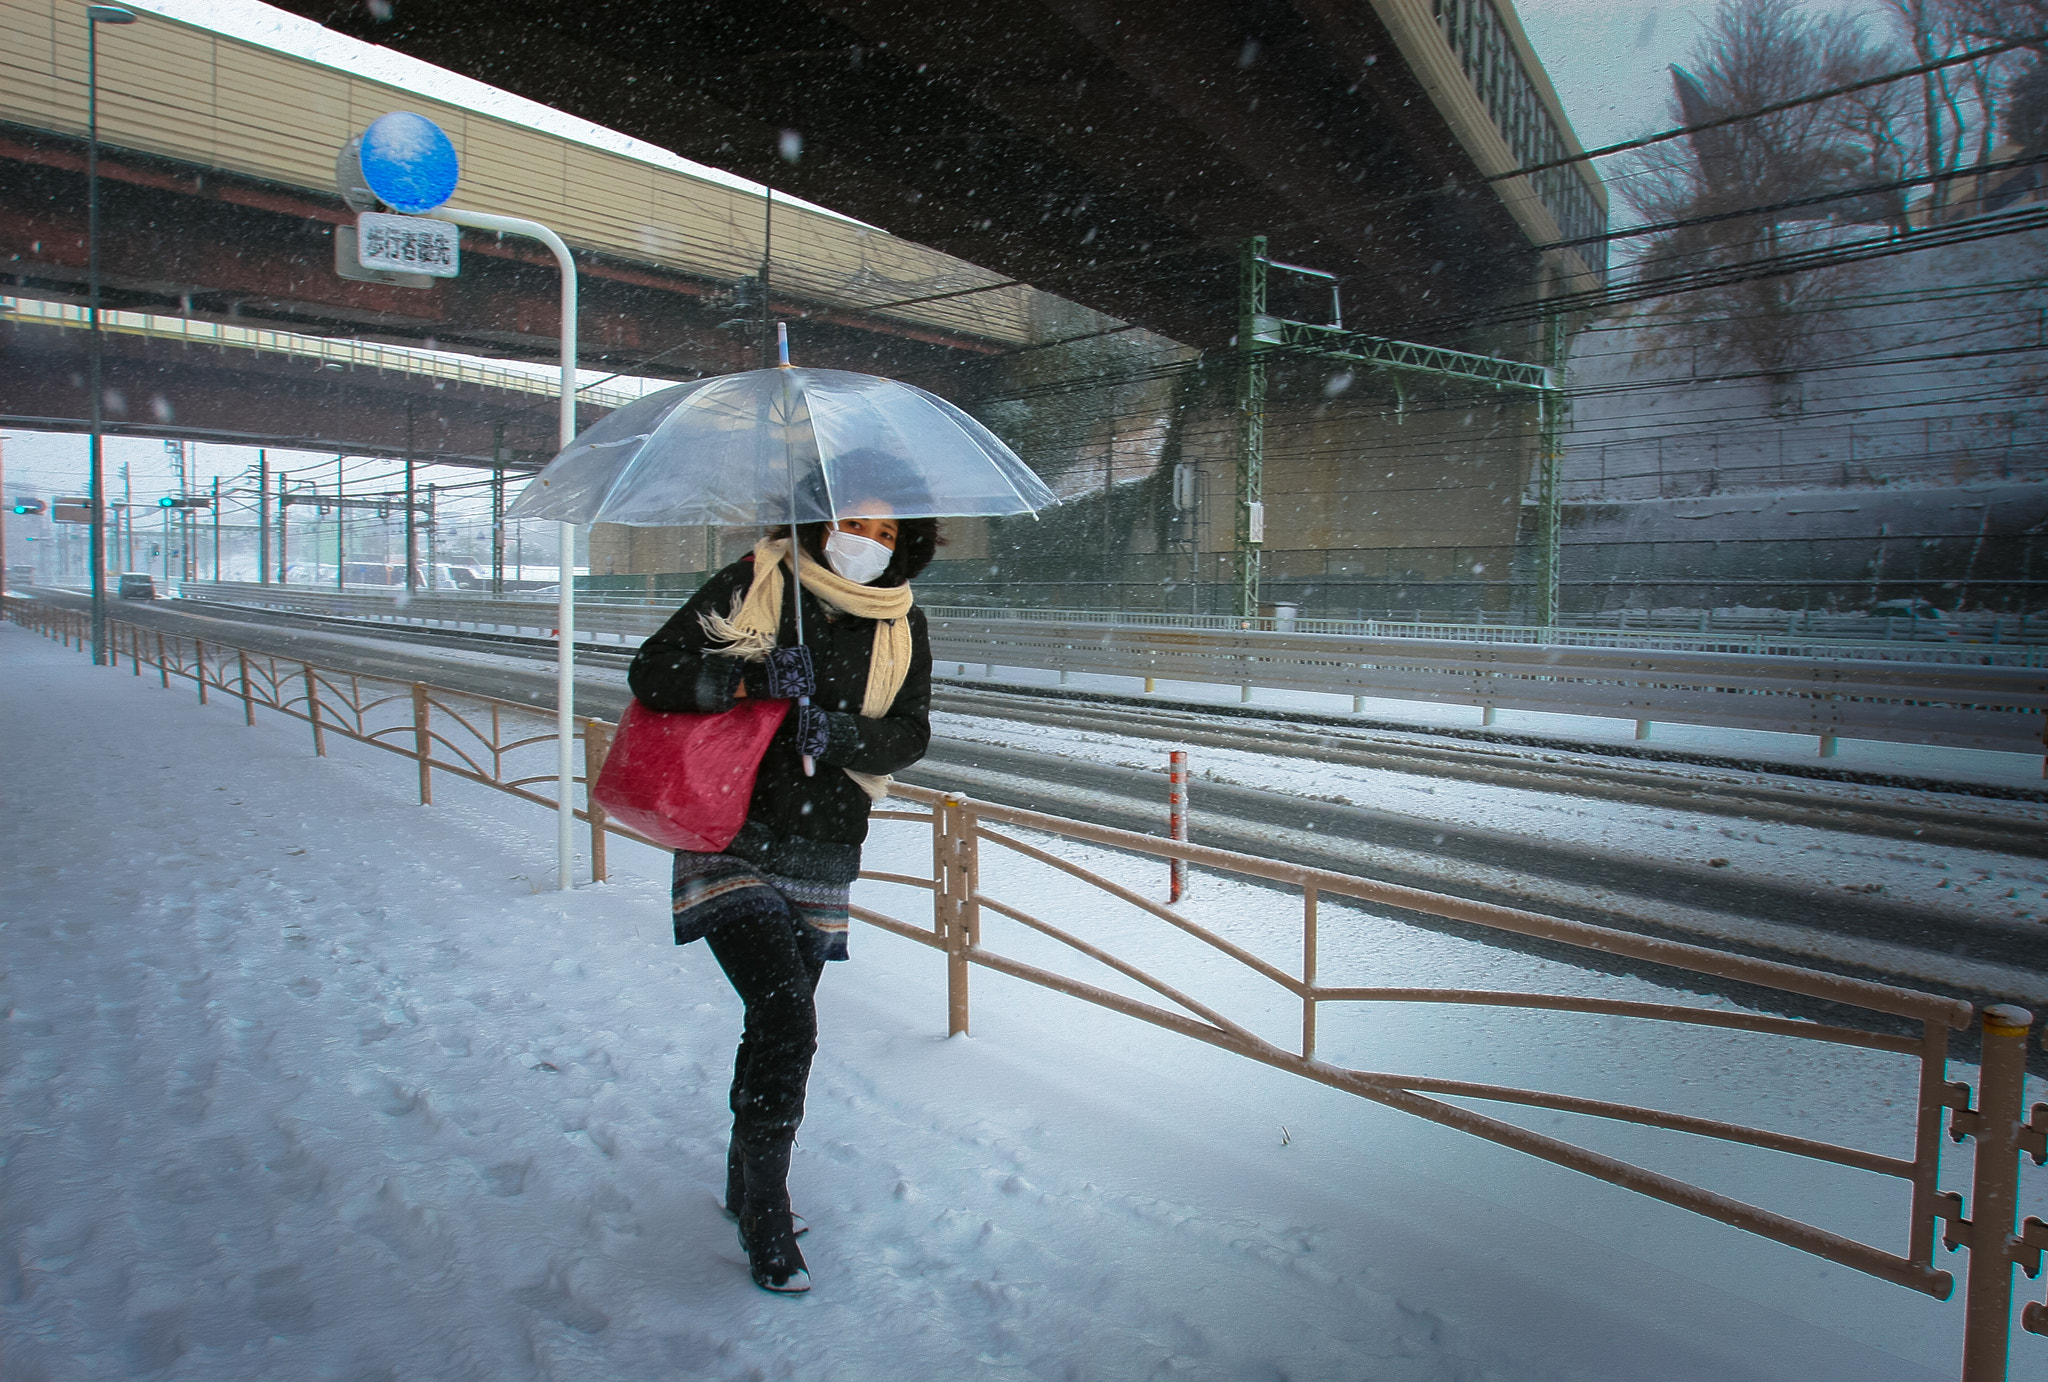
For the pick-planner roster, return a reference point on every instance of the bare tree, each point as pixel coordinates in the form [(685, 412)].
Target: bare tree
[(1754, 54), (1965, 101), (2024, 88)]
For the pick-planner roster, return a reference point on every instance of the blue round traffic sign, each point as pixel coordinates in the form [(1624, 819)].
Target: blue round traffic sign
[(409, 162)]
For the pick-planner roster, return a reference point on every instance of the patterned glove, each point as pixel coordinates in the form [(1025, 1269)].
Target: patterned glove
[(813, 730), (789, 674)]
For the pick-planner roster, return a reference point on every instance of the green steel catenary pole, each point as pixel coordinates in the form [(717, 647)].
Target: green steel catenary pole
[(1251, 413)]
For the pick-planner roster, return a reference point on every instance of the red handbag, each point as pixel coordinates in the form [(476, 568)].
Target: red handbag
[(683, 780)]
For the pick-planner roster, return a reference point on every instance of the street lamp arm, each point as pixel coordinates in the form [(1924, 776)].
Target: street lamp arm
[(518, 225), (565, 613)]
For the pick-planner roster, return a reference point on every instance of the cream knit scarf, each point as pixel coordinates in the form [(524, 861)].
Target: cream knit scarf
[(755, 623)]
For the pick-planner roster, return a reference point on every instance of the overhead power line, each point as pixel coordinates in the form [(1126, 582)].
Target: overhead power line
[(1798, 203)]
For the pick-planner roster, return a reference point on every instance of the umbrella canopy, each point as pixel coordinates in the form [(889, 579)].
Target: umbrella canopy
[(775, 445)]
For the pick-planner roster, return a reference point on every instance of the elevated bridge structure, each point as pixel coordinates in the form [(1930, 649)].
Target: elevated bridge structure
[(1117, 155), (187, 380)]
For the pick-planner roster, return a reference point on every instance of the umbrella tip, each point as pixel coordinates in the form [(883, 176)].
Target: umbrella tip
[(782, 343)]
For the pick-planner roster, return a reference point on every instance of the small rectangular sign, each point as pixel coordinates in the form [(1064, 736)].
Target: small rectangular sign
[(350, 266), (71, 509), (408, 244)]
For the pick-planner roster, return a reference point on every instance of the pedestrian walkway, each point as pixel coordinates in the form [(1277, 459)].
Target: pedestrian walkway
[(304, 1079)]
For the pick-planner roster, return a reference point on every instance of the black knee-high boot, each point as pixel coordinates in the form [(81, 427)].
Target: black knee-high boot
[(766, 1230), (736, 1185)]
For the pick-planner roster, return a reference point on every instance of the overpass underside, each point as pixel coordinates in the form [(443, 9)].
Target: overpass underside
[(1113, 154), (194, 391)]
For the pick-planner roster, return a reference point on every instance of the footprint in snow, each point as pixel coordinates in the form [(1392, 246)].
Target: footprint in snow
[(507, 1178)]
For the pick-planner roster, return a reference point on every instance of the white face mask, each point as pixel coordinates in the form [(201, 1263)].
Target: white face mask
[(857, 558)]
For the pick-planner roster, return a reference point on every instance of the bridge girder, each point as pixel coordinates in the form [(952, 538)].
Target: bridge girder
[(197, 242), (156, 388)]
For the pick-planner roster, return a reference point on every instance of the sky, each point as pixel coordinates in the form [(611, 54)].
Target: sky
[(1609, 60)]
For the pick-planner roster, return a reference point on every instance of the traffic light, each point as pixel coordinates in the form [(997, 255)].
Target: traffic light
[(28, 506), (172, 501)]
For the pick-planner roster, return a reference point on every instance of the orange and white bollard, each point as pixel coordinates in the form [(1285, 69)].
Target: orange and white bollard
[(1177, 819)]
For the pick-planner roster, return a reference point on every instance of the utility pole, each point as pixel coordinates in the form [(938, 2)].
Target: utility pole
[(411, 551), (768, 349), (176, 451), (498, 510), (498, 533), (127, 520), (433, 547), (1251, 423), (263, 518), (1550, 408), (340, 530), (216, 530), (283, 529)]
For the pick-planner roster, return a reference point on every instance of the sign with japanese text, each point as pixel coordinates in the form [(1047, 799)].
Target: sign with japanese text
[(408, 244)]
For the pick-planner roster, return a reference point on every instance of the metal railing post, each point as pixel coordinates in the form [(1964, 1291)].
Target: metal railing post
[(163, 666), (955, 859), (597, 746), (422, 743), (1994, 1194), (1177, 821), (248, 701), (1933, 1108), (313, 712), (1308, 973), (199, 667)]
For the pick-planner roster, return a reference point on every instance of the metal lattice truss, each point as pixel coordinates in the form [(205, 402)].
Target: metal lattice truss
[(1355, 347)]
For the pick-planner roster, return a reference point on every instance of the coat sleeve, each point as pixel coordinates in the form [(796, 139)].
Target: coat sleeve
[(898, 739), (674, 671)]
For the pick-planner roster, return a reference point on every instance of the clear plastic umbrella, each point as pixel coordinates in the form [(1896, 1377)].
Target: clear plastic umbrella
[(778, 446), (772, 444)]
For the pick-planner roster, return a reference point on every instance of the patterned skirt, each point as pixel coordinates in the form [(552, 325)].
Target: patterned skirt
[(712, 888)]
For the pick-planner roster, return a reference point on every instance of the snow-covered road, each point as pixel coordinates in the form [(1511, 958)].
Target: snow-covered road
[(302, 1079), (1943, 880)]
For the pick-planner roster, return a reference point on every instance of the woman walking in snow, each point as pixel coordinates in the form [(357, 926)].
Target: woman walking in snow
[(773, 906)]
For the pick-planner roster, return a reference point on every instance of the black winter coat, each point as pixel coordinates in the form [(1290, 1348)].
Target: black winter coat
[(797, 826)]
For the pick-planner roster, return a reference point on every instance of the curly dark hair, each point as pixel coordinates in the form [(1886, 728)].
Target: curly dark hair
[(917, 542)]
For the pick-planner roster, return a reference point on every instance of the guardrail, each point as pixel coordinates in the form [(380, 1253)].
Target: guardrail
[(2001, 639), (1977, 643), (477, 738), (1997, 708)]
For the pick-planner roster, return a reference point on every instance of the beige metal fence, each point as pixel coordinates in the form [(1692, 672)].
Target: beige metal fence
[(484, 740)]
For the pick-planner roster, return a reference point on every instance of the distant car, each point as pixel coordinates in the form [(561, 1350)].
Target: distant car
[(136, 586), (1925, 617)]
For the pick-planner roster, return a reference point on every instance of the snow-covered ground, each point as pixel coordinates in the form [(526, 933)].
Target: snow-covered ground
[(302, 1079)]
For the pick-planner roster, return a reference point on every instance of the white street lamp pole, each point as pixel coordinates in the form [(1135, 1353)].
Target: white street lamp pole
[(565, 611)]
